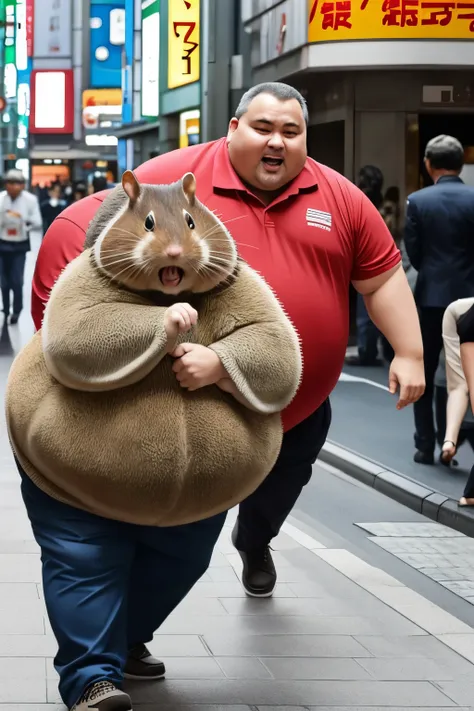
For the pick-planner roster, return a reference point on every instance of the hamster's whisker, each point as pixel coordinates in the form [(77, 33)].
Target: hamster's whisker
[(191, 264), (112, 263), (218, 253), (122, 271), (212, 269), (214, 229), (126, 232), (222, 260), (240, 244), (233, 219)]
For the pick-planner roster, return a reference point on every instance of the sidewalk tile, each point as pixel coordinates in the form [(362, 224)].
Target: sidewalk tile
[(243, 668), (20, 568), (315, 668), (409, 647), (285, 645), (27, 690), (304, 693)]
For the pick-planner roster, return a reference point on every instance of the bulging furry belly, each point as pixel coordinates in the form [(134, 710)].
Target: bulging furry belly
[(151, 453)]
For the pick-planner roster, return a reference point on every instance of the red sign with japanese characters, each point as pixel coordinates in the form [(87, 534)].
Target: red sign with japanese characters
[(390, 19)]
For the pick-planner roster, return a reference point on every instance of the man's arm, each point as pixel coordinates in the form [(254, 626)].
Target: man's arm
[(390, 304), (412, 235), (379, 277)]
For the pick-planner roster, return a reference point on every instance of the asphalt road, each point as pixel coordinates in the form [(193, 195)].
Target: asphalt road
[(365, 420)]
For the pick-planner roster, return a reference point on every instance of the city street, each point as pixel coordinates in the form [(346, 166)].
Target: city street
[(364, 615)]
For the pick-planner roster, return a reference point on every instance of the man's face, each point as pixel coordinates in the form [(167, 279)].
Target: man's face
[(14, 189), (267, 145)]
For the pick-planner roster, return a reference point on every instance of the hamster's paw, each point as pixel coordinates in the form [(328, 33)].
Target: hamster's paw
[(179, 318)]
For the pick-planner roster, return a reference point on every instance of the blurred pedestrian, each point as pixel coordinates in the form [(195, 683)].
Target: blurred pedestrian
[(458, 337), (53, 206), (19, 213), (461, 434), (99, 183), (79, 192), (370, 181), (439, 238)]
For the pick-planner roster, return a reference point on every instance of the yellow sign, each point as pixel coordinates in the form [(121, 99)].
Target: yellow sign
[(330, 20), (101, 97), (183, 42)]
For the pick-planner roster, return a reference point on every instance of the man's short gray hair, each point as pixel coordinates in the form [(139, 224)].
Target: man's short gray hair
[(445, 153), (283, 92)]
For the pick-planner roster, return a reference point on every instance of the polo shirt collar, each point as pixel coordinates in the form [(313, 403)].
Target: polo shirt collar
[(224, 176)]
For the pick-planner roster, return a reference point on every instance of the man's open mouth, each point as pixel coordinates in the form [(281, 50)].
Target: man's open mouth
[(171, 276), (275, 162)]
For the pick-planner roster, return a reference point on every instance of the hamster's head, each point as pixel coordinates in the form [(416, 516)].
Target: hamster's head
[(161, 238)]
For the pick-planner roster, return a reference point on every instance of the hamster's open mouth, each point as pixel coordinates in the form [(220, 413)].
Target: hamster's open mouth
[(171, 276)]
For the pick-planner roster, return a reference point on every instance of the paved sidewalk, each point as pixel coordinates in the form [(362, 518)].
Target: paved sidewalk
[(331, 637)]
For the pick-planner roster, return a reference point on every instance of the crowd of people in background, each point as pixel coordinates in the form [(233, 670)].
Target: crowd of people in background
[(436, 239), (22, 211)]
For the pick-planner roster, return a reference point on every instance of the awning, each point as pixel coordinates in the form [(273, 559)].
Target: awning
[(133, 129)]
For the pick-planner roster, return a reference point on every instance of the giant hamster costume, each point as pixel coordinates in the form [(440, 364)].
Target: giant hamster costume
[(95, 414)]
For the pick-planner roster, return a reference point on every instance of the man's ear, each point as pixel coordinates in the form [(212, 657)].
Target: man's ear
[(233, 124), (131, 186)]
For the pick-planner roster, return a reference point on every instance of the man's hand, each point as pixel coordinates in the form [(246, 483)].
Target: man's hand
[(179, 318), (408, 375), (197, 366), (14, 214)]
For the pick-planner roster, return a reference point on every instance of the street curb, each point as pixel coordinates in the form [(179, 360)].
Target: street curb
[(401, 488)]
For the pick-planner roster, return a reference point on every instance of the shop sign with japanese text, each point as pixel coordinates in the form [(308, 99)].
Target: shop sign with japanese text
[(183, 42), (330, 20)]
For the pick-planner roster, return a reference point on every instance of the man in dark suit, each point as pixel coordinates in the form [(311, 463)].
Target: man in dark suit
[(439, 239)]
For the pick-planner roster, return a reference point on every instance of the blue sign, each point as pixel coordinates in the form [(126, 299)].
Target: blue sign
[(127, 85), (107, 39)]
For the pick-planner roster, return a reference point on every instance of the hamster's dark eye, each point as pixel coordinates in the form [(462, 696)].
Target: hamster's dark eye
[(150, 222), (189, 220)]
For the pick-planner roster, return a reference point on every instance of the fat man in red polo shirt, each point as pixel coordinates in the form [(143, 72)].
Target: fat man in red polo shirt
[(310, 233)]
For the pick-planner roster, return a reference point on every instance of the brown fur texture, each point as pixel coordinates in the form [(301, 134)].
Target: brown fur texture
[(98, 420)]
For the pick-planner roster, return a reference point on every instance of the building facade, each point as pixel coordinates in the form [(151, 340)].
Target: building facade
[(381, 78)]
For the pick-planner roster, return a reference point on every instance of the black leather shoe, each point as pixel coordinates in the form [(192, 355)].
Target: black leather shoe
[(423, 457), (143, 666), (259, 575)]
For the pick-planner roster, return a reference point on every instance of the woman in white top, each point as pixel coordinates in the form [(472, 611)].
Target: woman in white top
[(458, 337)]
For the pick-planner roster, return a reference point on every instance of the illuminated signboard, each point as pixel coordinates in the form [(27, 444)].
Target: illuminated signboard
[(150, 58), (52, 101), (53, 28), (390, 19), (184, 37)]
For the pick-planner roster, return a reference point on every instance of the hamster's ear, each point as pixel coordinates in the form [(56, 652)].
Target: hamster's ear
[(188, 182), (131, 186)]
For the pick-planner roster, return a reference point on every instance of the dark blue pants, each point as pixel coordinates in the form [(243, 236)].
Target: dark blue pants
[(108, 585), (12, 269), (367, 333)]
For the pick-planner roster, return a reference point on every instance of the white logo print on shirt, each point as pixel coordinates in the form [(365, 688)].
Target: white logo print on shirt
[(316, 218)]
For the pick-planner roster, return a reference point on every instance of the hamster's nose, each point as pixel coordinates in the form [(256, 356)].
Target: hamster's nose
[(174, 250)]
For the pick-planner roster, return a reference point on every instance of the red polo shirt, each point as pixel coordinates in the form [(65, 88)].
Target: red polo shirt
[(309, 243)]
